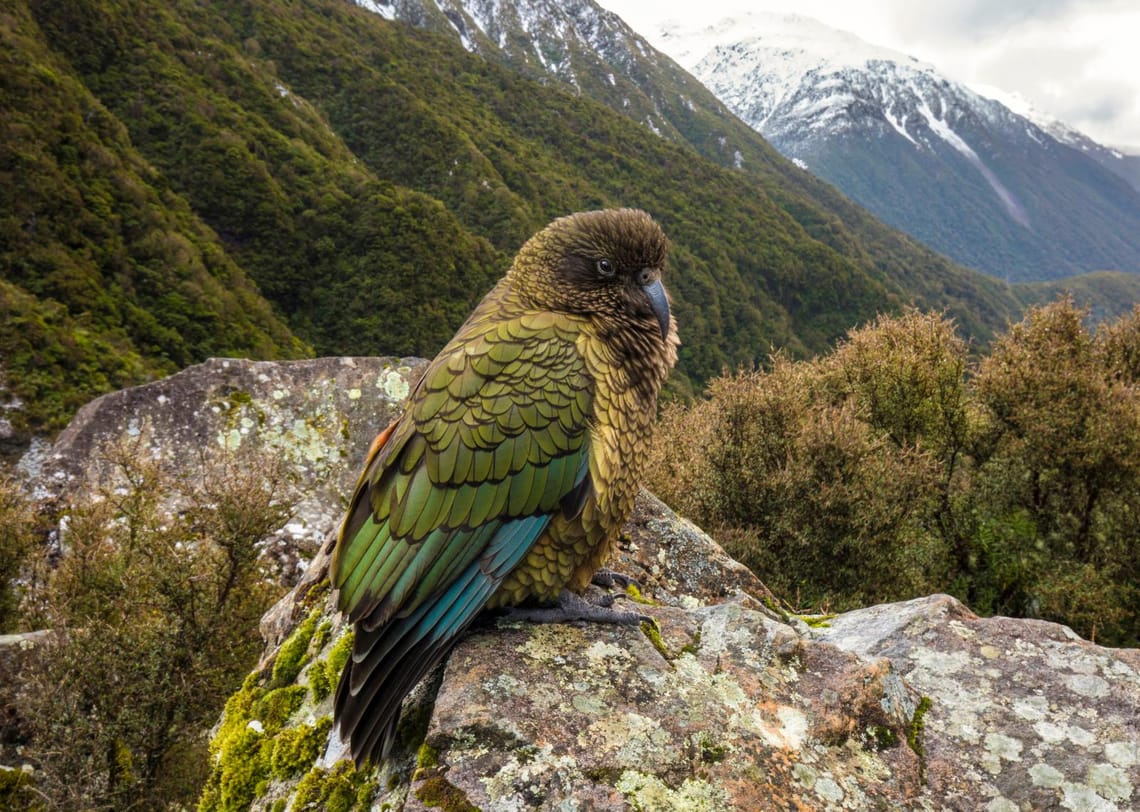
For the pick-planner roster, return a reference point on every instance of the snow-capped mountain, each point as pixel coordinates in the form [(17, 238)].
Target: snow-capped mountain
[(547, 33), (761, 76), (960, 171), (575, 42), (596, 54)]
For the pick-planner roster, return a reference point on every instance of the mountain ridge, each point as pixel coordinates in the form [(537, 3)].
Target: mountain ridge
[(713, 129), (1122, 161), (704, 123), (960, 172)]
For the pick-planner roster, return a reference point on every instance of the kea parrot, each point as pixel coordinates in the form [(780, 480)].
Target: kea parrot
[(514, 464)]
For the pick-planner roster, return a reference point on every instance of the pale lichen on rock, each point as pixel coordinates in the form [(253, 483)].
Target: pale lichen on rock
[(1043, 716), (300, 414)]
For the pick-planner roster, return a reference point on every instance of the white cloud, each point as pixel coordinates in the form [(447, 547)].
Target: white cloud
[(1076, 59)]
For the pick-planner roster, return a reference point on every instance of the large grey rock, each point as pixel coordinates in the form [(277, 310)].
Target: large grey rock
[(315, 416), (916, 705), (723, 706), (1024, 714), (734, 710)]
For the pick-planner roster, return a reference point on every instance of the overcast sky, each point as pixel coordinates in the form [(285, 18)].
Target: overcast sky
[(1078, 60)]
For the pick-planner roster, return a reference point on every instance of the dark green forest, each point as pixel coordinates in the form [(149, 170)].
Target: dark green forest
[(274, 179)]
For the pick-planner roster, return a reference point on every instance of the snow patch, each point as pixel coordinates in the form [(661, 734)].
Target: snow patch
[(385, 10), (899, 124), (943, 131), (804, 44)]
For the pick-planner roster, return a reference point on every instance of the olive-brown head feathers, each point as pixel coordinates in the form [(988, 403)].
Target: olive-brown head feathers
[(605, 263)]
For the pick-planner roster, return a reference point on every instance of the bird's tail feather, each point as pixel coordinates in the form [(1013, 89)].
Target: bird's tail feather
[(386, 663), (389, 658)]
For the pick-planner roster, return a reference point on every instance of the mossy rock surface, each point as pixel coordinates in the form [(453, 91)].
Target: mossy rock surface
[(723, 705)]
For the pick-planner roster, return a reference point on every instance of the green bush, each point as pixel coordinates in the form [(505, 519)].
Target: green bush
[(893, 467), (804, 491), (1059, 443), (17, 537)]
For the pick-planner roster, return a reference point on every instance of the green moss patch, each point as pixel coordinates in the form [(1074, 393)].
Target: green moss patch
[(341, 789), (323, 674), (255, 744), (294, 652), (816, 621), (427, 757), (653, 634), (711, 751), (914, 735), (436, 792), (636, 596), (296, 749), (881, 737)]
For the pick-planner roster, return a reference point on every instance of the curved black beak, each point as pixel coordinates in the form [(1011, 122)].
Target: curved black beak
[(659, 301)]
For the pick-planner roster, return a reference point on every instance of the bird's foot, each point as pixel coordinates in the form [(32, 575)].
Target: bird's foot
[(571, 607), (608, 579)]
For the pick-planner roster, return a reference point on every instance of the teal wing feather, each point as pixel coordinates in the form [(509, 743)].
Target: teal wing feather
[(452, 497)]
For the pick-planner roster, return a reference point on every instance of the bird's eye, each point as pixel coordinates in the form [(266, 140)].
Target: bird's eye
[(605, 267)]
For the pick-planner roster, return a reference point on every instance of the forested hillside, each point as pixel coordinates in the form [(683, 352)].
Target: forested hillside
[(108, 276), (271, 179)]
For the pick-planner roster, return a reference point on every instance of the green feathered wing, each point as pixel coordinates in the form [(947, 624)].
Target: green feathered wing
[(493, 443)]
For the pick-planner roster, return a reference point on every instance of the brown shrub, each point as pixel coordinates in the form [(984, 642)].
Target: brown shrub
[(155, 604)]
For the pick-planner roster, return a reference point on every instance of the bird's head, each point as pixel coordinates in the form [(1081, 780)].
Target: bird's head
[(605, 264)]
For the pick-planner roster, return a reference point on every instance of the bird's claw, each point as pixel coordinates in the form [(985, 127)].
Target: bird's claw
[(608, 579), (571, 607)]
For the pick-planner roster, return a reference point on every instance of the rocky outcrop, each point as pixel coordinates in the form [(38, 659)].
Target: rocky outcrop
[(727, 702), (316, 417), (1023, 714), (722, 706)]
